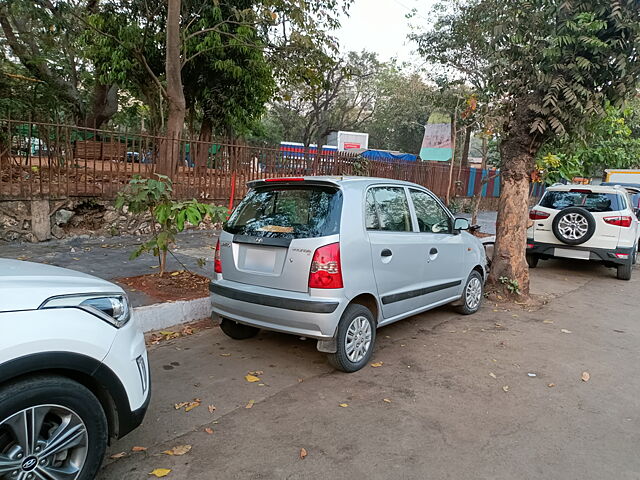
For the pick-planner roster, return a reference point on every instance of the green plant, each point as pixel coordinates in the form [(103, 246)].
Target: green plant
[(455, 205), (201, 262), (511, 285), (168, 217)]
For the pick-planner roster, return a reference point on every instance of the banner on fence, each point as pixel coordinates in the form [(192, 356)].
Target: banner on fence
[(436, 144)]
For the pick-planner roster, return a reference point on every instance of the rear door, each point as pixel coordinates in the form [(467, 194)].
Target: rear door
[(394, 249), (270, 238)]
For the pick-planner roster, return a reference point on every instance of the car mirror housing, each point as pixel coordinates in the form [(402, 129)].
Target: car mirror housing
[(461, 224)]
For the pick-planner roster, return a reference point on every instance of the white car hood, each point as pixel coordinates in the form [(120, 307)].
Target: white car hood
[(26, 285)]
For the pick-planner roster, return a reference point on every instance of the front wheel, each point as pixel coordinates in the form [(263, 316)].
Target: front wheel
[(51, 427), (355, 339), (238, 331), (472, 294)]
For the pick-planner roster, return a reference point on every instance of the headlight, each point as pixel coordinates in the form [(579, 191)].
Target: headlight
[(113, 308)]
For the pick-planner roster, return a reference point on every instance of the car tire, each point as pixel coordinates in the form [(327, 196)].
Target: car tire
[(624, 271), (532, 260), (472, 294), (586, 225), (238, 331), (357, 323), (59, 403)]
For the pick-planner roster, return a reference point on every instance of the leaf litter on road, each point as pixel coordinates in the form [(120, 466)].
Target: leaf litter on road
[(116, 456), (250, 404), (585, 376), (505, 388), (492, 375), (251, 378), (377, 364), (344, 405), (564, 330), (208, 431), (303, 453), (160, 472), (178, 450), (138, 449)]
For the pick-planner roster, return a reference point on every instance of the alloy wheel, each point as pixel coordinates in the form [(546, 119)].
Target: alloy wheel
[(473, 293), (573, 226), (45, 442), (357, 341)]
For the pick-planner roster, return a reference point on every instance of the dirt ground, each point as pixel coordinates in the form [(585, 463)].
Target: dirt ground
[(497, 395)]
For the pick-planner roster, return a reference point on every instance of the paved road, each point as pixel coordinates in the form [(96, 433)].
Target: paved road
[(447, 418)]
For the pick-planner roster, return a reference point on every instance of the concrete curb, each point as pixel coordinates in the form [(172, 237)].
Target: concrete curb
[(163, 315)]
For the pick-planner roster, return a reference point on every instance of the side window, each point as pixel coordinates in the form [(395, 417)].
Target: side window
[(386, 208), (432, 218)]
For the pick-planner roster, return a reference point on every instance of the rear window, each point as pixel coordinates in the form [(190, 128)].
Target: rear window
[(288, 212), (593, 202)]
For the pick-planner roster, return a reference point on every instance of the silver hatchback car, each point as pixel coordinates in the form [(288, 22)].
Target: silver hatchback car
[(334, 258)]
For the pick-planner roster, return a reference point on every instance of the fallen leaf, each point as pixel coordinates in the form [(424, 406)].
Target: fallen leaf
[(208, 431), (344, 405), (178, 451), (303, 453), (256, 373), (547, 321), (531, 375), (191, 405), (75, 258), (212, 408), (377, 364), (225, 354), (251, 378), (515, 315), (564, 330), (300, 380), (115, 456), (21, 258), (138, 449), (174, 274), (160, 472), (585, 376), (188, 330), (505, 388), (386, 400), (492, 375), (551, 385), (154, 266), (178, 406), (250, 404)]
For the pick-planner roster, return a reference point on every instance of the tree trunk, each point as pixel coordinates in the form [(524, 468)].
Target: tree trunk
[(200, 150), (170, 146), (517, 151), (454, 134), (477, 193), (105, 105), (464, 161)]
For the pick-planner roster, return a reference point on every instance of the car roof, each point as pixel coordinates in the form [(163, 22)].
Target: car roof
[(344, 181), (592, 188)]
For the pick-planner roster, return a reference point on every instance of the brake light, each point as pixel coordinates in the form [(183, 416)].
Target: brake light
[(325, 269), (620, 221), (530, 245), (580, 190), (217, 264), (292, 179), (538, 215)]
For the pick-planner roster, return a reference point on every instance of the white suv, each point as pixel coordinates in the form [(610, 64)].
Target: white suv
[(73, 371), (586, 222)]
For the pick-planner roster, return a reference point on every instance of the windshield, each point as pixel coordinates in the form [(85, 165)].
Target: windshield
[(288, 212), (593, 202)]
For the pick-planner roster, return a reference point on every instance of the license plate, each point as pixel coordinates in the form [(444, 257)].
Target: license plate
[(260, 259), (567, 253)]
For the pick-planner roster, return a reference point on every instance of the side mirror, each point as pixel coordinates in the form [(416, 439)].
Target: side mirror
[(461, 224)]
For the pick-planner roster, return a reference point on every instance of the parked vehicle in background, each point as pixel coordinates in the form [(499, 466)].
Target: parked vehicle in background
[(619, 177), (632, 188), (334, 258), (73, 371), (585, 222)]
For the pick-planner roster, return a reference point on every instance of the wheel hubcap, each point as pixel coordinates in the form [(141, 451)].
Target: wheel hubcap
[(46, 442), (573, 226), (358, 339), (473, 293)]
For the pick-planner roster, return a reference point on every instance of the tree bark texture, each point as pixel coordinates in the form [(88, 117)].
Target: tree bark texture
[(518, 150), (170, 147), (200, 150)]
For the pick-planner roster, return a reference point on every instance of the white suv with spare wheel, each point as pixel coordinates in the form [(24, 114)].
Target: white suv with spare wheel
[(585, 222)]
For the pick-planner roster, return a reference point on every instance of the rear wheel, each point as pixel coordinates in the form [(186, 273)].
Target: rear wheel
[(50, 428), (624, 271), (355, 339), (237, 331), (532, 260)]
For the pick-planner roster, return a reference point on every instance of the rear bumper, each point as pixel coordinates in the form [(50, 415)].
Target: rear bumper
[(277, 310), (547, 250)]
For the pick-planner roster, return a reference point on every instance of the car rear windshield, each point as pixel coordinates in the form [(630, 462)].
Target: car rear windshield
[(284, 211), (593, 202)]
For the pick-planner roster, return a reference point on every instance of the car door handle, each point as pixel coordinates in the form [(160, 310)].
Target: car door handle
[(386, 253), (433, 251)]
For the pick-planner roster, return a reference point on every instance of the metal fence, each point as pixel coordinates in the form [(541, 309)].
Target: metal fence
[(50, 161)]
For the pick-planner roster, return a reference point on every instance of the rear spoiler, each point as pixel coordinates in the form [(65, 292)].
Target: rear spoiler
[(332, 181)]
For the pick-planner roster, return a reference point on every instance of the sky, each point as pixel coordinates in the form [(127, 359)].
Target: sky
[(381, 26)]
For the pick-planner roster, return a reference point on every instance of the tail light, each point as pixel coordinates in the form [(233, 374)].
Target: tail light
[(538, 215), (620, 221), (325, 269), (217, 264)]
